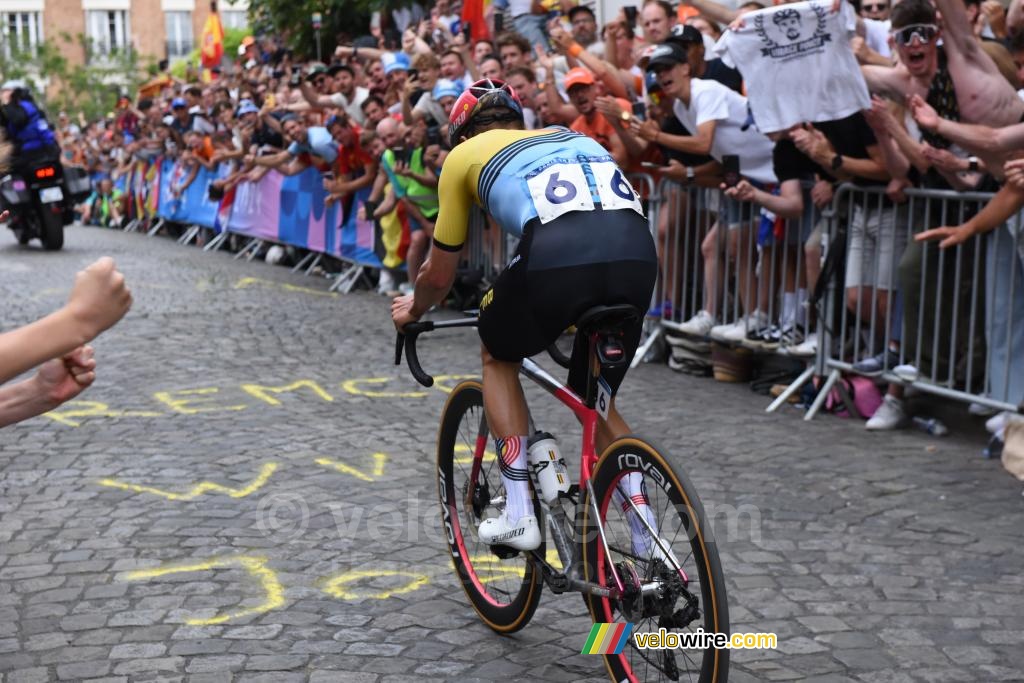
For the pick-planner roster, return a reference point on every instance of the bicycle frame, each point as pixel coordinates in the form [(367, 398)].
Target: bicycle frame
[(585, 411)]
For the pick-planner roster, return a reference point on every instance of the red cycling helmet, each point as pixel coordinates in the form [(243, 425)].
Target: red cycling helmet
[(483, 95)]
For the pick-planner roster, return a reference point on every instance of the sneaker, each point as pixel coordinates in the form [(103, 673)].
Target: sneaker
[(906, 372), (766, 338), (386, 283), (890, 415), (662, 310), (699, 325), (808, 347), (406, 288), (523, 535), (791, 336), (737, 332), (876, 365), (997, 423), (981, 410)]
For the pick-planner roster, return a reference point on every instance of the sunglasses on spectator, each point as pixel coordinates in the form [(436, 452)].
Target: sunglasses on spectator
[(875, 8), (925, 33)]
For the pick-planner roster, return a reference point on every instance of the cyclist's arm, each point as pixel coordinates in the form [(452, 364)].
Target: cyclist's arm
[(435, 279)]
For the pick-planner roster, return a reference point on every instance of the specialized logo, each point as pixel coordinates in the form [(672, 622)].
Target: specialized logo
[(786, 37), (510, 534)]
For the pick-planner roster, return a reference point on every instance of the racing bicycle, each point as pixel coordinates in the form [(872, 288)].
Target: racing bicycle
[(676, 584)]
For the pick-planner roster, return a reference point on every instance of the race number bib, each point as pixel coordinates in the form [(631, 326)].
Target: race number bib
[(559, 189), (613, 189)]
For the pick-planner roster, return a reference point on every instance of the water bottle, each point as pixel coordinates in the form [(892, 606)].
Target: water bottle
[(931, 425), (547, 468)]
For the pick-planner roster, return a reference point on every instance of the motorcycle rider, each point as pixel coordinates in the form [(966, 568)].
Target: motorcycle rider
[(26, 127)]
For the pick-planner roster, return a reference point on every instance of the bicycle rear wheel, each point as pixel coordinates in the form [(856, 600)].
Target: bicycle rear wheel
[(503, 591), (688, 601)]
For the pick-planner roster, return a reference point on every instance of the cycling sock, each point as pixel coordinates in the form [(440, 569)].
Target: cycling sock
[(514, 475), (632, 485)]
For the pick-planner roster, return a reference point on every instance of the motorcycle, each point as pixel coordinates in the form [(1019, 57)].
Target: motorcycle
[(41, 197)]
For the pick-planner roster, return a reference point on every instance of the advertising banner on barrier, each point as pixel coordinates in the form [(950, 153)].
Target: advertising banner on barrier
[(286, 209)]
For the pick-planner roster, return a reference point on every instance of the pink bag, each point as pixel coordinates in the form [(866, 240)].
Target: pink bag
[(863, 392)]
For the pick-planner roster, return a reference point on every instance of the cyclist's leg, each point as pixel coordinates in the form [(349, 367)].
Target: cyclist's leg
[(509, 333)]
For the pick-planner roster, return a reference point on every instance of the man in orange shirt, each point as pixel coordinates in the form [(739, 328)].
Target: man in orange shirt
[(579, 83)]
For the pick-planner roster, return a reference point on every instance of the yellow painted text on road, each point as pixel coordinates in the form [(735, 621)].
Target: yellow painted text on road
[(263, 392), (76, 409), (200, 488), (254, 566), (378, 467), (187, 405), (341, 586), (248, 282)]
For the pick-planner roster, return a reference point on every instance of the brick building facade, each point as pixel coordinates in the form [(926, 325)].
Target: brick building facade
[(156, 29)]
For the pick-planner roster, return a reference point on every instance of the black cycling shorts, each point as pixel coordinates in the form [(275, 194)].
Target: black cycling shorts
[(577, 261)]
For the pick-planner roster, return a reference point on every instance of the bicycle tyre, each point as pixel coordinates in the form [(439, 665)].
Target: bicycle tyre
[(633, 454), (504, 592)]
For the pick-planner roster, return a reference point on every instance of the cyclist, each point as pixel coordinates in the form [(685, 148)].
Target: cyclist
[(583, 242)]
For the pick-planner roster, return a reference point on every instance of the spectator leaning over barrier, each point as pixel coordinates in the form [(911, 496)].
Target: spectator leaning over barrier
[(402, 169), (583, 94), (374, 111), (718, 118), (309, 146), (962, 82), (354, 169)]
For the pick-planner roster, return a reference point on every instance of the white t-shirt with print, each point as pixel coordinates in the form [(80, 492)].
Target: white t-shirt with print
[(797, 64), (712, 101)]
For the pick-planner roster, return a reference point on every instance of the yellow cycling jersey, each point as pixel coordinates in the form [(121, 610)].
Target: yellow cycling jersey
[(520, 175)]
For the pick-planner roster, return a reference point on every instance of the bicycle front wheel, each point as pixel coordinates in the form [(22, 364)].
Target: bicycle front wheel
[(640, 496), (503, 591)]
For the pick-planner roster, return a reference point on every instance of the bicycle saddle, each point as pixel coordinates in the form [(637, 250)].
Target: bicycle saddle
[(604, 319)]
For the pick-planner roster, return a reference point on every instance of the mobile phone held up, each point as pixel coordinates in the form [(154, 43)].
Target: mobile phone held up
[(640, 110), (402, 155), (731, 169), (467, 30)]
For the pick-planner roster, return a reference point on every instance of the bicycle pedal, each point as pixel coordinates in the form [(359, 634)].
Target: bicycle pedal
[(504, 552)]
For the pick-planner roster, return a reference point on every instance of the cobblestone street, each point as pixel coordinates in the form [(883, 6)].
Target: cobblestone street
[(248, 493)]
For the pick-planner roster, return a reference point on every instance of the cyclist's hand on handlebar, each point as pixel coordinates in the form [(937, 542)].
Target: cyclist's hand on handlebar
[(401, 311)]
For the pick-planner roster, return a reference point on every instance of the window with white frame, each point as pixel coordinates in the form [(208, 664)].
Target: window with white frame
[(22, 32), (234, 18), (108, 31), (179, 34)]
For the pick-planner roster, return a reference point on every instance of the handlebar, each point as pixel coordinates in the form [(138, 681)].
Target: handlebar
[(407, 340)]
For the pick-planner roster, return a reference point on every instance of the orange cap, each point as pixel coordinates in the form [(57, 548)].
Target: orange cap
[(578, 76)]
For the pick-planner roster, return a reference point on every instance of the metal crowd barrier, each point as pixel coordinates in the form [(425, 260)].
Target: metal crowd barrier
[(747, 270), (948, 322)]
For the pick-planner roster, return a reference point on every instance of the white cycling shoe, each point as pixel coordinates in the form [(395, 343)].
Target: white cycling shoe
[(523, 535)]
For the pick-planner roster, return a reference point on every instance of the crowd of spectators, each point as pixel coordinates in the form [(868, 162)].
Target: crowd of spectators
[(650, 85)]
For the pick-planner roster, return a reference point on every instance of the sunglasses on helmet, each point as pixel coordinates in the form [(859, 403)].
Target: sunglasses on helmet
[(925, 33)]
